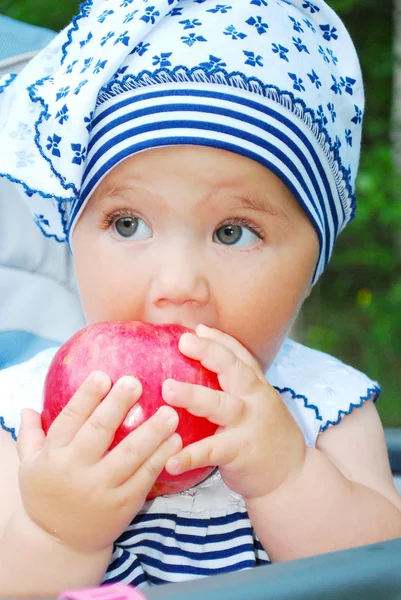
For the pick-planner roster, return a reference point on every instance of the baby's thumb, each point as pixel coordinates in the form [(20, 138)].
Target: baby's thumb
[(31, 436)]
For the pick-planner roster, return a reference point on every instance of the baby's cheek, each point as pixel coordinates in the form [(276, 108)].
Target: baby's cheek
[(266, 330)]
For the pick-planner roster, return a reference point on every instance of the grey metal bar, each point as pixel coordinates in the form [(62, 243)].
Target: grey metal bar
[(366, 573), (393, 439)]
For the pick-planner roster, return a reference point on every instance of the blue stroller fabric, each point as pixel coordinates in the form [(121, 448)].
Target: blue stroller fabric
[(34, 272), (20, 38)]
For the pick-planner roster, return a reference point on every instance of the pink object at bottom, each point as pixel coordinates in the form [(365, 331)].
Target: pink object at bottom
[(115, 591)]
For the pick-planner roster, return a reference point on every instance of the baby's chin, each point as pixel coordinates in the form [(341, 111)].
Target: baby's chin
[(269, 355)]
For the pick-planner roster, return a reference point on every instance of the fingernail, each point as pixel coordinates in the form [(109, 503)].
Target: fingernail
[(190, 340), (176, 441), (130, 384), (98, 378), (173, 465), (168, 415), (169, 387), (172, 419)]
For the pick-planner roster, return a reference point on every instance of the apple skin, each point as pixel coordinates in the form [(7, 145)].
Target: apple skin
[(146, 351)]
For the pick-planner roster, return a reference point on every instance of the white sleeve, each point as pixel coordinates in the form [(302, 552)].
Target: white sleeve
[(21, 386), (318, 389)]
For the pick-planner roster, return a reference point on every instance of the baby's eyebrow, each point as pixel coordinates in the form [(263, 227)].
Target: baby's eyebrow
[(260, 203), (253, 201), (111, 191)]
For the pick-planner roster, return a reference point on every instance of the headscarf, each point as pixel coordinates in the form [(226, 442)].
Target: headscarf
[(277, 81)]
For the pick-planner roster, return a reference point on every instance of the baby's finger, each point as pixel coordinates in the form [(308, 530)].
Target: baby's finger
[(78, 410), (235, 377), (213, 451), (133, 451), (31, 436), (218, 407), (96, 434), (232, 344), (145, 477)]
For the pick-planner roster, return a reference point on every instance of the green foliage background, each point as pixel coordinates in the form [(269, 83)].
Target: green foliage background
[(354, 312)]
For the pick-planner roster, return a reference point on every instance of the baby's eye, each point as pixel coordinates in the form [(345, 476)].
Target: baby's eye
[(238, 233), (127, 227)]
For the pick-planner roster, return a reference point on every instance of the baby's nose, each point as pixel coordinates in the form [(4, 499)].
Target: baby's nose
[(180, 279)]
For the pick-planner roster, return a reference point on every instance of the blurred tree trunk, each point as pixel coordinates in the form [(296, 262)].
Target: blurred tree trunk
[(396, 117)]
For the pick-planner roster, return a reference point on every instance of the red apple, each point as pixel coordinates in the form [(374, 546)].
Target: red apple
[(146, 351)]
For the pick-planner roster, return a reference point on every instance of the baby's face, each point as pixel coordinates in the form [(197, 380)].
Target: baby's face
[(196, 235)]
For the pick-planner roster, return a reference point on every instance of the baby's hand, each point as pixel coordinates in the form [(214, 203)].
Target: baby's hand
[(258, 444), (71, 486)]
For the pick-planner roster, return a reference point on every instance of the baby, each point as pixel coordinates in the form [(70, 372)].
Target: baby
[(200, 159)]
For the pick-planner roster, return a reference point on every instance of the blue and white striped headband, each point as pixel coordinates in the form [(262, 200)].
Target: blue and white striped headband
[(277, 81)]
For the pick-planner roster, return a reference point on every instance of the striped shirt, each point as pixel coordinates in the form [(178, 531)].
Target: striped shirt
[(180, 537)]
